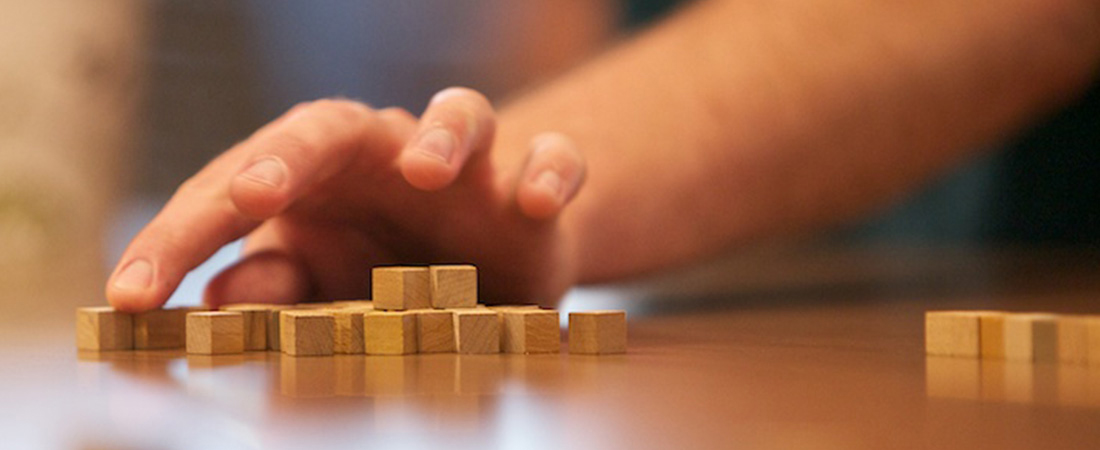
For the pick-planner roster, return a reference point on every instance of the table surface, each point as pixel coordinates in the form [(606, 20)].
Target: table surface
[(796, 365)]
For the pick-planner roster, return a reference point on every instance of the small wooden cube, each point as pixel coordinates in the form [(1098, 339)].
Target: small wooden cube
[(400, 288), (274, 335), (453, 286), (1031, 337), (530, 331), (1092, 323), (349, 331), (476, 331), (161, 329), (435, 331), (991, 334), (215, 333), (954, 333), (1072, 339), (255, 323), (389, 333), (597, 332), (306, 332), (102, 328)]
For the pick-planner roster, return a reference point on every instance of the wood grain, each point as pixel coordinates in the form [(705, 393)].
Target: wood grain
[(477, 331), (435, 331)]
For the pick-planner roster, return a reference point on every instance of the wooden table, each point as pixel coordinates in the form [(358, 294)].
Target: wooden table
[(813, 365)]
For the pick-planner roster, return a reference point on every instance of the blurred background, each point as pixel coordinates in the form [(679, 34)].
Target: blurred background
[(106, 106)]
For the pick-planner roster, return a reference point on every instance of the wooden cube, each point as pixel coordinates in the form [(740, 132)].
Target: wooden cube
[(161, 329), (400, 288), (1092, 323), (349, 331), (102, 328), (1031, 337), (1072, 339), (306, 332), (530, 331), (435, 331), (274, 334), (597, 332), (389, 333), (476, 331), (956, 333), (453, 286), (256, 316), (215, 333), (991, 335)]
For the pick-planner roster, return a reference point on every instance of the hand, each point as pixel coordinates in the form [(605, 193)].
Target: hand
[(333, 188)]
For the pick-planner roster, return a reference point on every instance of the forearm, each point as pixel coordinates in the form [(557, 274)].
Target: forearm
[(742, 119)]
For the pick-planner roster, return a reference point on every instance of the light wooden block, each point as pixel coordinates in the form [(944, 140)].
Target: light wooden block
[(356, 304), (530, 331), (597, 332), (1072, 339), (400, 288), (102, 328), (992, 335), (453, 286), (1092, 323), (161, 329), (306, 332), (215, 333), (274, 335), (435, 331), (955, 333), (349, 331), (256, 316), (477, 331), (1031, 337), (389, 332)]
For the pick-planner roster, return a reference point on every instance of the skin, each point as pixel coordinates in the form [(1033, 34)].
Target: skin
[(732, 121)]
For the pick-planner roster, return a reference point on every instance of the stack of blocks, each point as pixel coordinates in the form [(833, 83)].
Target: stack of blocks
[(430, 309), (1030, 337)]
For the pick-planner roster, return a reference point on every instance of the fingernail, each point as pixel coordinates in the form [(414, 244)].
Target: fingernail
[(137, 276), (551, 181), (437, 143), (269, 171)]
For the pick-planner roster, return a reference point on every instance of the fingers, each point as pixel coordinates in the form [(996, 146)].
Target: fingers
[(457, 124), (551, 177), (269, 276)]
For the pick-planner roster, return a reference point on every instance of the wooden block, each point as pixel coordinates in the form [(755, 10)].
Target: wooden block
[(102, 328), (274, 335), (357, 304), (992, 335), (1031, 337), (161, 329), (1092, 336), (512, 307), (453, 286), (255, 323), (1072, 339), (306, 333), (349, 331), (435, 331), (215, 333), (955, 333), (476, 331), (389, 333), (400, 288), (530, 331), (597, 332)]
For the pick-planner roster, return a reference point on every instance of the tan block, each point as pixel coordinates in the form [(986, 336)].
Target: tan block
[(215, 333), (306, 332), (453, 286), (349, 331), (530, 331), (255, 323), (1031, 337), (400, 288), (161, 328), (955, 333), (1072, 339), (274, 335), (597, 332), (435, 331), (1092, 336), (992, 335), (102, 328), (477, 330), (389, 333), (356, 304)]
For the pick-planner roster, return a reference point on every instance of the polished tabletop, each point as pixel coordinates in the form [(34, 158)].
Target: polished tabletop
[(823, 351)]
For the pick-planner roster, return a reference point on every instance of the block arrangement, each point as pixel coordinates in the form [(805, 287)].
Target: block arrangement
[(1027, 337), (431, 309)]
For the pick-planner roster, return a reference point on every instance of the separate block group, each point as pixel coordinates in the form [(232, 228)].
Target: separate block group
[(597, 332), (1027, 337), (215, 333)]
